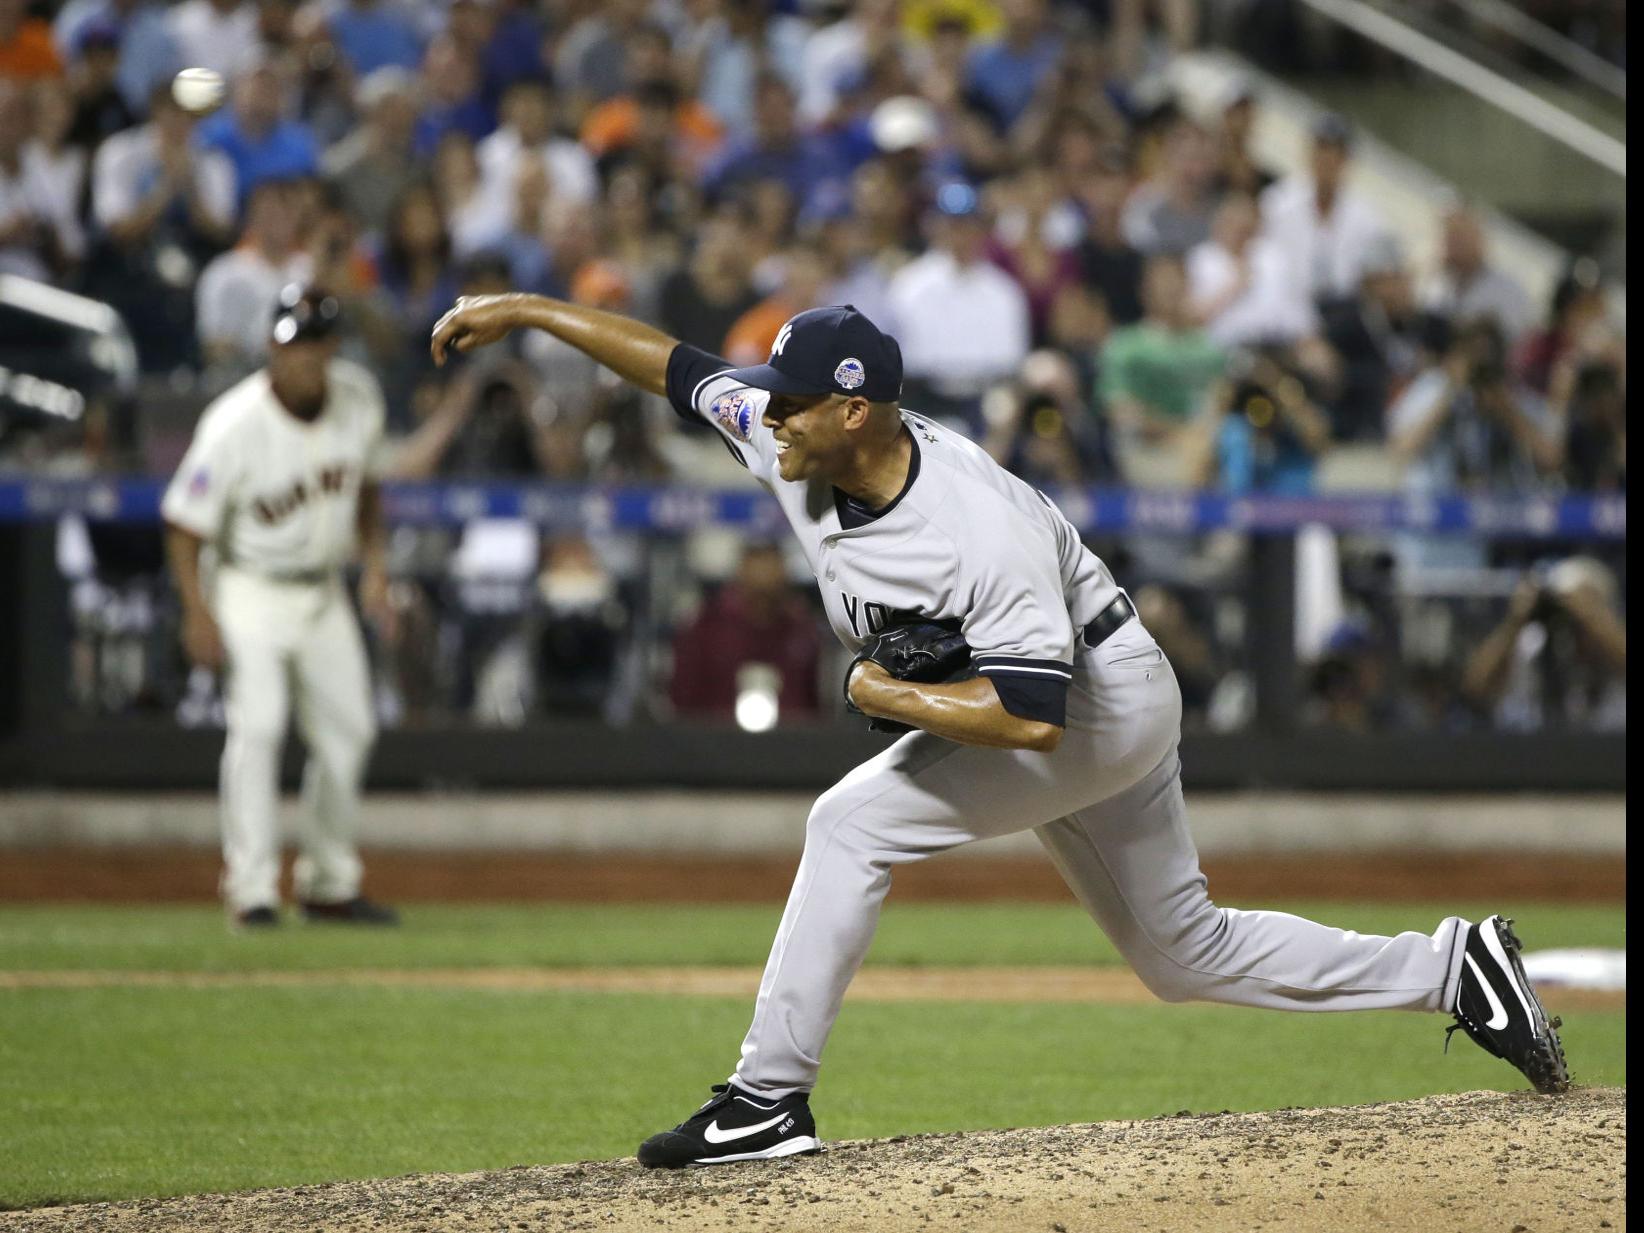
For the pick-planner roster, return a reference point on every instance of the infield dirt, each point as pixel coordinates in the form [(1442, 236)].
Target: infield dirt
[(1478, 1161)]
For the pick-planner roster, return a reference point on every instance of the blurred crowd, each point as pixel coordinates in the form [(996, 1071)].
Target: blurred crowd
[(1098, 285)]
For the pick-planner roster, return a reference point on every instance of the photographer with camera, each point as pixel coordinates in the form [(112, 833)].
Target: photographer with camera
[(1264, 432), (1466, 424), (1559, 658)]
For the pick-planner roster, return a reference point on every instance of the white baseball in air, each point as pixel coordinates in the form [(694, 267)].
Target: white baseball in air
[(198, 89)]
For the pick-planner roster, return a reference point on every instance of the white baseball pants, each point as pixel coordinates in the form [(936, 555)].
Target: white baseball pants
[(291, 644), (1107, 805)]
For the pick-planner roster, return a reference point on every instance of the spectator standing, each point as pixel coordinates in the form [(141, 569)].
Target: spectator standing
[(962, 322), (149, 55), (1468, 288), (1172, 212), (26, 50), (255, 134), (1320, 221), (1156, 376), (238, 291), (758, 617), (375, 164), (215, 34)]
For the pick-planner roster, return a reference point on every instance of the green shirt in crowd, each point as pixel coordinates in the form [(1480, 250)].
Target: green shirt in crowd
[(1166, 370)]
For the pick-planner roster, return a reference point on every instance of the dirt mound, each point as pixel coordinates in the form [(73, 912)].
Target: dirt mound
[(1482, 1160)]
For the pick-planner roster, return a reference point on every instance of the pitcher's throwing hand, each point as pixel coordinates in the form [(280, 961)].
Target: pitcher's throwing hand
[(475, 321)]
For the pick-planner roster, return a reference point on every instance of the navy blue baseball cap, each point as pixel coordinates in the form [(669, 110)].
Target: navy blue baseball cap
[(829, 351)]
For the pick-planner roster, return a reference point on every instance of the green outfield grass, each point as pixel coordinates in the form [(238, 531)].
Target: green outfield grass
[(196, 939), (150, 1091)]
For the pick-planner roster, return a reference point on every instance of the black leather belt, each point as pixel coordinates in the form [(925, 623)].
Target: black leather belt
[(1108, 620)]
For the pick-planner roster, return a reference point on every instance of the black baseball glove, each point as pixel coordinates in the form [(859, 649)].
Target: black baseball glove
[(913, 650)]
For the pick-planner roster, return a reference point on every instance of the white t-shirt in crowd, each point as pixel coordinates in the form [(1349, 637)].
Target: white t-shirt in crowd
[(127, 167), (1269, 310), (206, 37), (235, 298), (275, 494), (1325, 256), (960, 326)]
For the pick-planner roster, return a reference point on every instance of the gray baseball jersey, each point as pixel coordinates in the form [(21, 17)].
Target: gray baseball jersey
[(969, 543), (965, 542)]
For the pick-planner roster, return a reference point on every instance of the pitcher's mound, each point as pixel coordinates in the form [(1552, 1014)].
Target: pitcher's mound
[(1482, 1160)]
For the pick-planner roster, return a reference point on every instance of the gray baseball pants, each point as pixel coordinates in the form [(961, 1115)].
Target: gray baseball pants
[(1107, 805)]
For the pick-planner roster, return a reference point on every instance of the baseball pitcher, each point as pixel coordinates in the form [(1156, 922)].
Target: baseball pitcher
[(1034, 698), (281, 481)]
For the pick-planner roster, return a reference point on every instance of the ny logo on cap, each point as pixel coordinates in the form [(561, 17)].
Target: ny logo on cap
[(782, 336)]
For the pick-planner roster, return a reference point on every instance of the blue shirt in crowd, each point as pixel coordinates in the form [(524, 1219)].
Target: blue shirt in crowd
[(1008, 78), (371, 37), (285, 152)]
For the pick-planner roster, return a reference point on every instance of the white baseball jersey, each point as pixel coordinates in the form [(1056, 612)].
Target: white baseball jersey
[(275, 494), (965, 542)]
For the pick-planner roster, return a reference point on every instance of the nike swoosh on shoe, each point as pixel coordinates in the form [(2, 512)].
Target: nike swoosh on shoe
[(1498, 1012), (713, 1134)]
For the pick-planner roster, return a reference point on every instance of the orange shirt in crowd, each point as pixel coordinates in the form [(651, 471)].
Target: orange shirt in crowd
[(751, 335), (613, 124), (28, 54)]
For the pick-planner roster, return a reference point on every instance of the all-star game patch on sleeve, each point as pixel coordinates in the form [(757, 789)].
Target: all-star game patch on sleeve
[(1017, 622), (697, 392), (198, 496)]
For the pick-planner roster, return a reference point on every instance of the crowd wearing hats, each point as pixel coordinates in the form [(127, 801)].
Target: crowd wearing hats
[(1096, 284)]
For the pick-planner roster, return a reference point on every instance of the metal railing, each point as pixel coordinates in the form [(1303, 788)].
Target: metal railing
[(1482, 83)]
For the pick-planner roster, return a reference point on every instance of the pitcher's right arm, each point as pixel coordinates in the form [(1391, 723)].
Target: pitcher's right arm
[(636, 352)]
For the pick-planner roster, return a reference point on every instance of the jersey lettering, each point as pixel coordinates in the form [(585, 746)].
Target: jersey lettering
[(874, 615), (277, 507)]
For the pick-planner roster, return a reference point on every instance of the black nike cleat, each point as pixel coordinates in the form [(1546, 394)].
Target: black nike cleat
[(1497, 1007), (735, 1125), (258, 918), (356, 911)]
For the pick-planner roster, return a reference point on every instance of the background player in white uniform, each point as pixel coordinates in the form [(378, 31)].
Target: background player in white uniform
[(1070, 726), (281, 480)]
